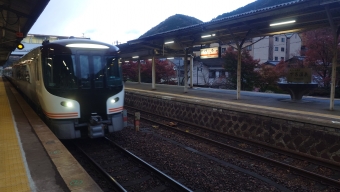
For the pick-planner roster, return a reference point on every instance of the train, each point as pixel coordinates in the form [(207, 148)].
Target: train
[(76, 84)]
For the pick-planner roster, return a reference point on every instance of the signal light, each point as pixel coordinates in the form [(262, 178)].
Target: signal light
[(20, 46)]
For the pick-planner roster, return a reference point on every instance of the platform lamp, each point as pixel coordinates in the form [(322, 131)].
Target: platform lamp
[(20, 46)]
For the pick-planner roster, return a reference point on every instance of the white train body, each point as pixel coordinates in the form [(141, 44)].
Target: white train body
[(76, 83)]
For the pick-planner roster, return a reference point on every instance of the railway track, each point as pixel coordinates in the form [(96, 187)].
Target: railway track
[(124, 171), (324, 172)]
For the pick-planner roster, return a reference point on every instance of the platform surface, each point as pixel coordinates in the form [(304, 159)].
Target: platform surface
[(31, 157)]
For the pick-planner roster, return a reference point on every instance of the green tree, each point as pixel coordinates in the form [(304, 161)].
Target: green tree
[(249, 77)]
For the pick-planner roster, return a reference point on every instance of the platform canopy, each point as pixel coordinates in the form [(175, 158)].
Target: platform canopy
[(16, 19), (304, 15)]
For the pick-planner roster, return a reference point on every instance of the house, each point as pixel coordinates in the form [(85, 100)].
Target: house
[(269, 49)]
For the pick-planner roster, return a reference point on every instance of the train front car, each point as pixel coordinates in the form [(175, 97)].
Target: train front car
[(83, 89)]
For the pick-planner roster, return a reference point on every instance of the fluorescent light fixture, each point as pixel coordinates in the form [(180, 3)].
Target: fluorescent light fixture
[(205, 36), (168, 42), (127, 61), (87, 45), (135, 57), (170, 58), (282, 23)]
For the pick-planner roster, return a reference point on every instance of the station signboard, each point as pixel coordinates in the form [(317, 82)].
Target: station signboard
[(212, 52), (299, 75)]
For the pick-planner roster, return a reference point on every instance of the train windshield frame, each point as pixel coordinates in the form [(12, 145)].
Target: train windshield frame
[(65, 68)]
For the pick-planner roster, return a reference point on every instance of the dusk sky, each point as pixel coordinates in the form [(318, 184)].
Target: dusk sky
[(117, 20)]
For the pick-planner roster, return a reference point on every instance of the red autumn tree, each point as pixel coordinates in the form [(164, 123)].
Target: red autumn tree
[(319, 54), (249, 77), (130, 70), (164, 71), (281, 69), (268, 77)]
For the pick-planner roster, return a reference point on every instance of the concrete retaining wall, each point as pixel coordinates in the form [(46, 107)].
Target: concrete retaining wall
[(276, 130)]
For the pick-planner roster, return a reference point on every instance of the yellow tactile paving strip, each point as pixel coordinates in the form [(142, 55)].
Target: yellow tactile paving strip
[(13, 176)]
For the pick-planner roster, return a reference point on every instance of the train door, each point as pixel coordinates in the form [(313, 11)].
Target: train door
[(90, 71)]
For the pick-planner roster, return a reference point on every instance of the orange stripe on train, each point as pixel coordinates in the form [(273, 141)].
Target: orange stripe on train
[(60, 115), (116, 109)]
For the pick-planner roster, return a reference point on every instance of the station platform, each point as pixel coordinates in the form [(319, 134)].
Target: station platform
[(308, 109), (31, 157)]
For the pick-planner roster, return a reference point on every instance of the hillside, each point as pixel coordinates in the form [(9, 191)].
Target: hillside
[(253, 6), (171, 23), (179, 20)]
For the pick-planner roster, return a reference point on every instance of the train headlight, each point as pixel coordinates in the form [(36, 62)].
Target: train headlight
[(115, 100), (66, 104)]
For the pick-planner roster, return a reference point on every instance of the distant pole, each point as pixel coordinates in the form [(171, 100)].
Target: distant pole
[(178, 71), (139, 76), (335, 33), (192, 72), (197, 77), (153, 74), (186, 71), (238, 72)]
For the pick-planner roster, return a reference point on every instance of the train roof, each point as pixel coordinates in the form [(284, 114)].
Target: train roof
[(66, 42)]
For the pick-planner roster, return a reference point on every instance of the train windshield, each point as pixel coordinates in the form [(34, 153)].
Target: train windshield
[(83, 71), (59, 71)]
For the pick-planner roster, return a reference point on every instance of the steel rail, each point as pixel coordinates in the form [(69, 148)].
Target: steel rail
[(116, 185), (174, 184)]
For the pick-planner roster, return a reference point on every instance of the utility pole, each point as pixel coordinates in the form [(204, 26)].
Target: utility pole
[(178, 71)]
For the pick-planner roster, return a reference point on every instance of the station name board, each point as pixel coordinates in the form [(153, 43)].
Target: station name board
[(212, 52), (299, 75)]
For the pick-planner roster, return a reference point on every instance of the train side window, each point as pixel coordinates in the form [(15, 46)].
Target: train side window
[(23, 72), (74, 65), (37, 68), (113, 75), (49, 72), (27, 74), (99, 68), (84, 72), (73, 73), (66, 73)]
